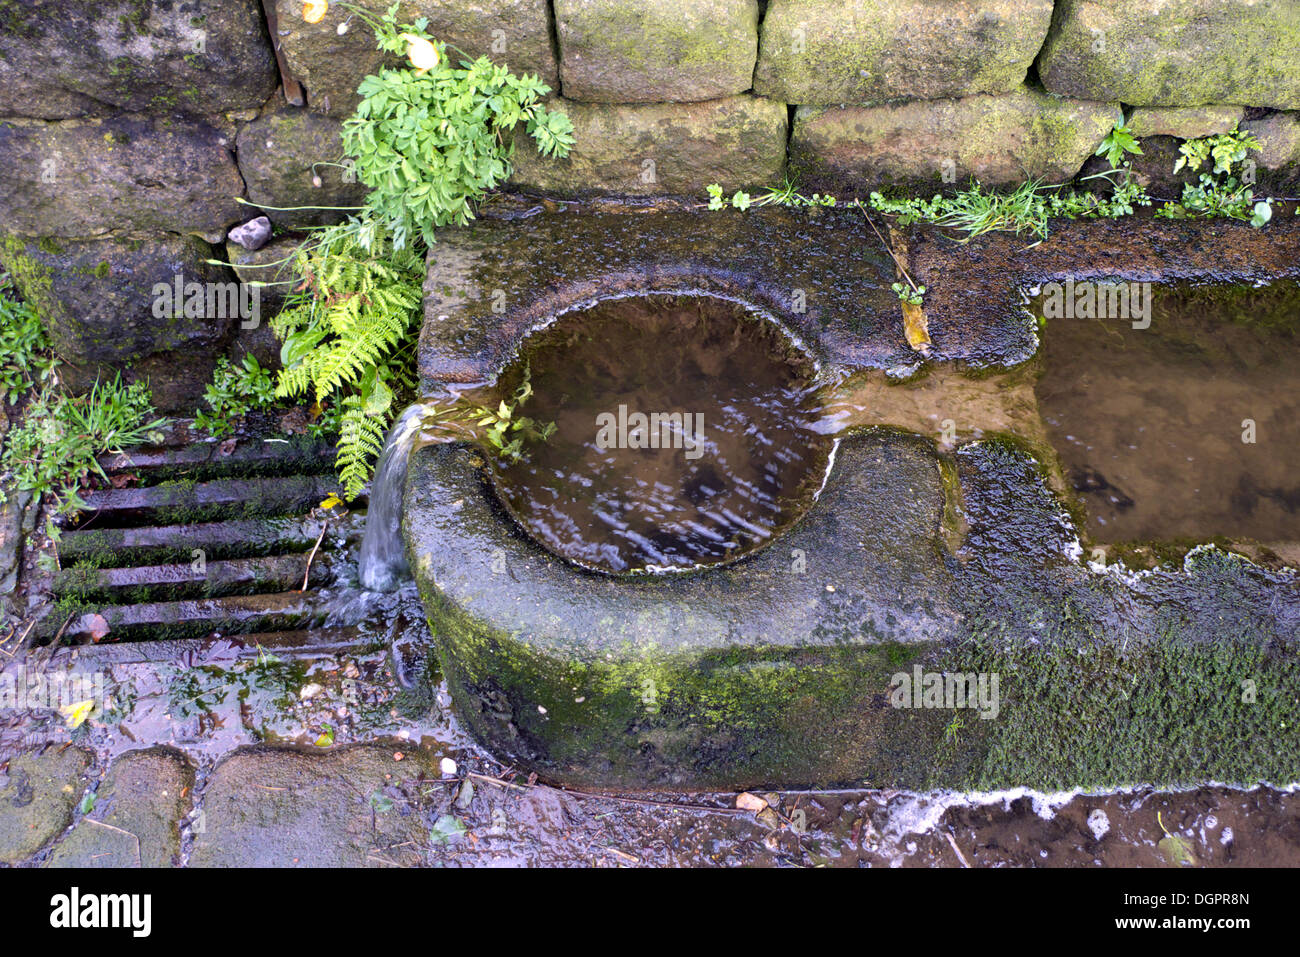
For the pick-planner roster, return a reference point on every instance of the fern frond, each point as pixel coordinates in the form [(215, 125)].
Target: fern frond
[(361, 439)]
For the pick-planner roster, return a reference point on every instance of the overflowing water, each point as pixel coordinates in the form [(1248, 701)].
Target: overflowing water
[(382, 559)]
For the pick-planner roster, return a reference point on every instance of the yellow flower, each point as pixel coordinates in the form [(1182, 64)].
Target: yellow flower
[(422, 54), (313, 11)]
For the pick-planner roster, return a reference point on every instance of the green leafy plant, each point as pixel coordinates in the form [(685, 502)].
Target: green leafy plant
[(25, 358), (234, 392), (1221, 191), (1119, 141), (346, 337), (914, 296), (431, 142), (1225, 149), (506, 430), (787, 194), (55, 449)]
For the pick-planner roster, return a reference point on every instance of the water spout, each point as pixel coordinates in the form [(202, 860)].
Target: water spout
[(382, 562)]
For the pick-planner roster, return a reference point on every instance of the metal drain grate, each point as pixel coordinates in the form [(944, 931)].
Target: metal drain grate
[(201, 539)]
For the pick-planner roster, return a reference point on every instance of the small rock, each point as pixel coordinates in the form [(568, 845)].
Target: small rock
[(750, 802), (448, 768), (309, 691), (1098, 823), (252, 234), (769, 818)]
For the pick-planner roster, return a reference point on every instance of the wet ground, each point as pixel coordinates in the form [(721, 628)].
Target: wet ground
[(326, 759)]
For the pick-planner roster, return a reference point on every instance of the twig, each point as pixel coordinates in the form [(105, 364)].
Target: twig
[(139, 858), (319, 538), (957, 850), (889, 249), (606, 797), (21, 640)]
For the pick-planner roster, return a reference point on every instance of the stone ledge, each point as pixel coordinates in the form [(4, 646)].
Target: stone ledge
[(822, 275)]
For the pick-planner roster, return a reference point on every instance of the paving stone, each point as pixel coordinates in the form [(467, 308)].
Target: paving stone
[(348, 807), (136, 818), (37, 795)]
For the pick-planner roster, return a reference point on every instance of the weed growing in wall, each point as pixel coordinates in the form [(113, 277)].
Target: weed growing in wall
[(429, 140)]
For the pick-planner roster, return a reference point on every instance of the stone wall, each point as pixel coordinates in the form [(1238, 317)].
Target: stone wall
[(130, 128)]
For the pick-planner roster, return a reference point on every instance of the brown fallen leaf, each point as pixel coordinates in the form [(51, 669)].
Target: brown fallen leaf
[(916, 328), (98, 627)]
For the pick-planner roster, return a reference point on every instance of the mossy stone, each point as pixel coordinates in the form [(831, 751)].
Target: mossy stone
[(1175, 52), (934, 144), (612, 51), (829, 52), (661, 148), (37, 795)]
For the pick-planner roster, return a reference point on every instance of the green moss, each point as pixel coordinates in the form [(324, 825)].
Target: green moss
[(1081, 711), (32, 279)]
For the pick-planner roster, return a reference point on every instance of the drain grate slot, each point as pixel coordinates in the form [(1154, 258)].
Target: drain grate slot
[(161, 544), (240, 576), (211, 460), (183, 502), (197, 618)]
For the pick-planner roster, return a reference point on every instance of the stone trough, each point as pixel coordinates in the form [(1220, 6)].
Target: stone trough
[(921, 557)]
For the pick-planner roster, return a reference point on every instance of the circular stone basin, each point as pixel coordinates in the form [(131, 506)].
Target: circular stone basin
[(684, 434)]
